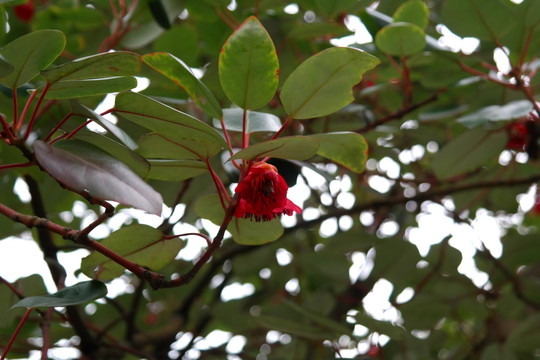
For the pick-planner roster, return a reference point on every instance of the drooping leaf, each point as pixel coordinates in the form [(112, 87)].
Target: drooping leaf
[(292, 148), (346, 148), (159, 13), (468, 151), (248, 66), (255, 121), (80, 109), (112, 64), (176, 170), (80, 293), (401, 39), (141, 244), (244, 231), (318, 319), (177, 71), (163, 119), (30, 54), (136, 162), (81, 88), (319, 29), (510, 111), (157, 146), (413, 11), (382, 327), (86, 168), (323, 83)]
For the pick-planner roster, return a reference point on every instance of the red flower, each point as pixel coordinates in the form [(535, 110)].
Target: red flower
[(24, 12), (263, 194)]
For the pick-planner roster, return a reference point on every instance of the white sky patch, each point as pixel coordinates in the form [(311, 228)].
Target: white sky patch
[(237, 291), (361, 35), (291, 9)]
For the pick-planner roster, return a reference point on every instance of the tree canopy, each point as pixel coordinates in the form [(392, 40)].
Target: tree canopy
[(266, 179)]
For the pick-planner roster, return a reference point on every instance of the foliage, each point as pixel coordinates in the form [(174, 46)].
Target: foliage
[(391, 257)]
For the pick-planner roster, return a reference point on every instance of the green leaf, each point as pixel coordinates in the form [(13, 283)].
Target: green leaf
[(82, 88), (525, 335), (31, 53), (141, 244), (510, 111), (177, 71), (323, 83), (80, 293), (319, 29), (498, 351), (159, 13), (294, 327), (255, 121), (483, 19), (244, 231), (136, 162), (89, 169), (176, 170), (248, 66), (468, 151), (112, 64), (5, 67), (345, 148), (80, 109), (292, 148), (318, 319), (157, 146), (394, 332), (163, 119), (401, 39), (414, 12)]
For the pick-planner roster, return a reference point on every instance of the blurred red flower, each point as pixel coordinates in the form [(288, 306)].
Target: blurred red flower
[(263, 194), (24, 12)]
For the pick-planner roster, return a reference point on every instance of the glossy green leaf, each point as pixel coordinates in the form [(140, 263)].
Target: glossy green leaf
[(86, 168), (31, 54), (255, 121), (141, 244), (135, 162), (346, 148), (81, 88), (413, 11), (248, 66), (468, 151), (176, 170), (401, 39), (80, 293), (292, 148), (323, 83), (80, 109), (244, 231), (510, 111), (177, 71), (157, 146), (163, 119), (112, 64)]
